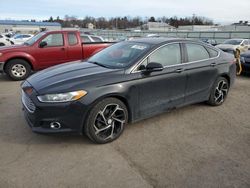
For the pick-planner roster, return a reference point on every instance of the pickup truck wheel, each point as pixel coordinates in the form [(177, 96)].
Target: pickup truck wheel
[(18, 69), (106, 120)]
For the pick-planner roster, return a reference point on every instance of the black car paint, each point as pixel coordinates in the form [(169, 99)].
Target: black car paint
[(245, 62), (144, 94)]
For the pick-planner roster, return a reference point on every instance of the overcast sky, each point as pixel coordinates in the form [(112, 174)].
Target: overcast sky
[(220, 11)]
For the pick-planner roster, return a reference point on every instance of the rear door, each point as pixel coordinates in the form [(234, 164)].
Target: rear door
[(54, 52), (201, 68), (74, 49)]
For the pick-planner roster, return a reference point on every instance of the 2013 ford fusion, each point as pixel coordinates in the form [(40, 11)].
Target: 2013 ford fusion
[(124, 83)]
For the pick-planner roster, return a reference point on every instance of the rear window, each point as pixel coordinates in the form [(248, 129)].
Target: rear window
[(245, 42), (85, 39), (196, 52), (96, 39), (72, 39), (212, 52)]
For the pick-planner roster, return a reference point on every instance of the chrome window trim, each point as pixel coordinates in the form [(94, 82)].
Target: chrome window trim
[(167, 66)]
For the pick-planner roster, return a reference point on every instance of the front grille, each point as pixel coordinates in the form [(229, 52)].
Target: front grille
[(27, 102)]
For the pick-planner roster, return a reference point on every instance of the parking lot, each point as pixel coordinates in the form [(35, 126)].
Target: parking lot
[(195, 146)]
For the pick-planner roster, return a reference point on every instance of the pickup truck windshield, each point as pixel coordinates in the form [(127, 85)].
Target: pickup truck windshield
[(32, 40), (119, 55)]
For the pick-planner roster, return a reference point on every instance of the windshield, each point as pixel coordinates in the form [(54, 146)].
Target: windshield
[(119, 55), (32, 40), (233, 41)]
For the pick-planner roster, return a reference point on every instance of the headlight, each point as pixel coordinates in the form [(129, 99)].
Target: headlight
[(62, 97), (1, 54)]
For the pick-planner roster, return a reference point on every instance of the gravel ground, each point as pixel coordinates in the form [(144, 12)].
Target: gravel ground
[(194, 146)]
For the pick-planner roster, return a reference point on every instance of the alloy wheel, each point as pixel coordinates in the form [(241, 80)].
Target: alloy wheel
[(221, 92), (109, 122)]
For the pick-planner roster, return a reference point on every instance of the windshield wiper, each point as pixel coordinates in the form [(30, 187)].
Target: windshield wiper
[(97, 63)]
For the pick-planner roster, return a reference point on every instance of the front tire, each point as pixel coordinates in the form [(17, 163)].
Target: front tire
[(106, 120), (219, 92), (18, 69)]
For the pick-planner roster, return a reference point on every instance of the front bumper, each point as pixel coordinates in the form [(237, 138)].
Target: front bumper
[(1, 67), (71, 116)]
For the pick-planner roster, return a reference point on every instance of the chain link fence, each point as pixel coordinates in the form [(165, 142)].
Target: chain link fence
[(219, 36)]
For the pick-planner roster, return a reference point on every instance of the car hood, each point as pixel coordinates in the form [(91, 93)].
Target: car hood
[(69, 77), (13, 48), (226, 46)]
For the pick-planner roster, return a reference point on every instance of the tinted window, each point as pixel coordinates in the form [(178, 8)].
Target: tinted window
[(54, 40), (167, 55), (245, 42), (35, 38), (18, 37), (120, 55), (72, 39), (212, 52), (233, 41), (96, 39), (196, 52), (85, 39)]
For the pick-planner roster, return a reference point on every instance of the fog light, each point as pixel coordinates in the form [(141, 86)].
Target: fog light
[(55, 125)]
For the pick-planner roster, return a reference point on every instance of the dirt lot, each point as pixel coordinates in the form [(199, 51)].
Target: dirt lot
[(195, 146)]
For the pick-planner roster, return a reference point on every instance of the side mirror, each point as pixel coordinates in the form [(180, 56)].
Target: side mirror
[(43, 44), (153, 67)]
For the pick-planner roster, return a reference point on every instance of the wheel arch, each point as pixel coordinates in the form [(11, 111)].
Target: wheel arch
[(227, 77), (112, 95), (18, 57), (119, 97)]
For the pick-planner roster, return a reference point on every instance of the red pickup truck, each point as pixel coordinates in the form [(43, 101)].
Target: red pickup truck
[(44, 50)]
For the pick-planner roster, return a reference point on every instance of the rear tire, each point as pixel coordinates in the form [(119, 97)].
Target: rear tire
[(106, 120), (219, 92), (18, 69)]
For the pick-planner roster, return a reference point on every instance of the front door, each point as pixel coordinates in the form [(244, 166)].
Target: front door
[(163, 90), (54, 52)]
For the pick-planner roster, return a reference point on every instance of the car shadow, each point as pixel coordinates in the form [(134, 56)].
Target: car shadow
[(18, 131), (4, 77)]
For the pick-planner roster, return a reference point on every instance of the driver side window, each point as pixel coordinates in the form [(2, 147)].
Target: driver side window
[(53, 40), (167, 55)]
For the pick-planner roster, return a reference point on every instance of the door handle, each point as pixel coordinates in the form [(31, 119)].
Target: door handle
[(62, 49), (180, 70), (213, 64)]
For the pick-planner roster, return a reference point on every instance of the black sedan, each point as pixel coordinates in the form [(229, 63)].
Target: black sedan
[(124, 83), (245, 62)]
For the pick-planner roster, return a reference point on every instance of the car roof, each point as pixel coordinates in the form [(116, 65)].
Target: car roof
[(160, 40), (236, 39)]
